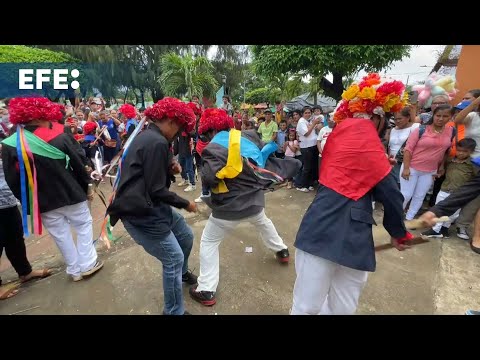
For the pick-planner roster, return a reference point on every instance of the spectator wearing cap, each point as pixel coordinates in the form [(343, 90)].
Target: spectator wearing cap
[(268, 130)]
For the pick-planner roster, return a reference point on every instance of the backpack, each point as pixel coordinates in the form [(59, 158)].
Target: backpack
[(421, 131)]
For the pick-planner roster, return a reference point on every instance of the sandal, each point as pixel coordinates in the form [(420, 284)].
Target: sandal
[(11, 291), (44, 273)]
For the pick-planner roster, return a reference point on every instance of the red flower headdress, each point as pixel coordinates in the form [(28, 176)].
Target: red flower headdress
[(171, 108), (24, 110), (128, 110), (215, 119), (373, 95), (197, 110)]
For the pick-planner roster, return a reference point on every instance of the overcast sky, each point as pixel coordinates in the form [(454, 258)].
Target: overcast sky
[(412, 68)]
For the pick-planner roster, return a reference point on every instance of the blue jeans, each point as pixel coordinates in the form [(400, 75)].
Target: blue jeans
[(186, 162), (172, 249)]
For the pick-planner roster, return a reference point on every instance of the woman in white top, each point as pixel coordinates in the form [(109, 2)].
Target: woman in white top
[(398, 136), (307, 139)]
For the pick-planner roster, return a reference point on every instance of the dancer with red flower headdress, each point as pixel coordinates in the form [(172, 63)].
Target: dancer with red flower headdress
[(238, 168), (144, 202), (45, 171), (334, 244)]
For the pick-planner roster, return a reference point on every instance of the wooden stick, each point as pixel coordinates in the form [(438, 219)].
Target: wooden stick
[(419, 224)]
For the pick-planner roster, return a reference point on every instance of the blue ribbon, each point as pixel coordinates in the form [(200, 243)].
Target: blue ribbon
[(248, 149), (23, 187)]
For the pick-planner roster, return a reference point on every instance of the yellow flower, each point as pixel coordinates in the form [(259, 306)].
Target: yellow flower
[(367, 93), (391, 100), (351, 92)]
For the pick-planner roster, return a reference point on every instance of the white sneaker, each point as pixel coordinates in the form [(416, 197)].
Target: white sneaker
[(77, 277), (183, 183), (302, 189), (198, 200), (190, 188), (311, 188)]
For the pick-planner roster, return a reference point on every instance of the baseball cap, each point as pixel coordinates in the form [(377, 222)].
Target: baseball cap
[(462, 105), (96, 101)]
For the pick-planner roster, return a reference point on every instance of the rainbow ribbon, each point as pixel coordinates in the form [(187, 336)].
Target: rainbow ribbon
[(24, 154), (106, 234)]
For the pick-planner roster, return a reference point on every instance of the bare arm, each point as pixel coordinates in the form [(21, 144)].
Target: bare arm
[(459, 119)]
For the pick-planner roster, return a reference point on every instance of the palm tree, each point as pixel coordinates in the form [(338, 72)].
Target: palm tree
[(187, 75)]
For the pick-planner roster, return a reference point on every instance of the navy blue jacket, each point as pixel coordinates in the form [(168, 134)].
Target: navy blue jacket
[(339, 229)]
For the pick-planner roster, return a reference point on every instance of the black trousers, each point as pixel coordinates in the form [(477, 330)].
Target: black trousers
[(309, 175), (11, 238), (437, 185)]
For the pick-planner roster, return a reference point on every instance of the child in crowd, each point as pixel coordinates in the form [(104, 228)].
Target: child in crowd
[(292, 149), (281, 138), (459, 170)]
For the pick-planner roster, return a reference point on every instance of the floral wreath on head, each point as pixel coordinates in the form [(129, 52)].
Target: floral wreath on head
[(128, 111), (195, 108), (373, 95), (24, 110), (171, 108), (215, 119)]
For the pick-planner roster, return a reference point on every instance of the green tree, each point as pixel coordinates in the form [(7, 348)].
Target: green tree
[(187, 75), (320, 60), (263, 95), (37, 58)]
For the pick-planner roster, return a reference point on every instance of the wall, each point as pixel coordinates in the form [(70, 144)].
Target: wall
[(468, 71)]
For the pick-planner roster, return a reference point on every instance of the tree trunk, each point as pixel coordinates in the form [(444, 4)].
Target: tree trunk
[(142, 97), (157, 94), (315, 97), (334, 89), (125, 98)]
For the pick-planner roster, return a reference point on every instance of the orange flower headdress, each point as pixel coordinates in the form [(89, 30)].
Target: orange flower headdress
[(373, 95)]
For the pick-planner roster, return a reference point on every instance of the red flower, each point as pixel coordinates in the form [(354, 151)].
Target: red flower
[(369, 80), (395, 86), (197, 110), (24, 110), (369, 106), (215, 119), (171, 108), (128, 110)]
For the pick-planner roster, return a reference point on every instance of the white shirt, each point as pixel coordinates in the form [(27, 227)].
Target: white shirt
[(398, 137), (323, 136), (305, 141), (473, 130)]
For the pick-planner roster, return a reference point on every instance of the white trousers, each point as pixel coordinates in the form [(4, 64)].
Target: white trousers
[(78, 258), (442, 195), (323, 287), (415, 188), (213, 234)]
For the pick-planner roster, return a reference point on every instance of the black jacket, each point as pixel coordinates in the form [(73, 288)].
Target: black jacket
[(458, 198), (339, 229), (246, 195), (145, 179), (57, 186)]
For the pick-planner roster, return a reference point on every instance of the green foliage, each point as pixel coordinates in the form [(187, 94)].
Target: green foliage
[(24, 54), (187, 75), (263, 95), (321, 60)]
